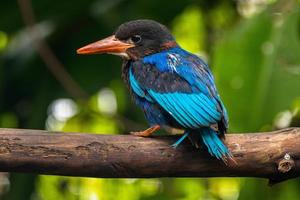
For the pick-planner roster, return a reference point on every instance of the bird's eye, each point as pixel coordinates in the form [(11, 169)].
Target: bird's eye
[(136, 39)]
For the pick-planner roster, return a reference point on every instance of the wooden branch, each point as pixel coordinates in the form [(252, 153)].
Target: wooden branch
[(273, 155)]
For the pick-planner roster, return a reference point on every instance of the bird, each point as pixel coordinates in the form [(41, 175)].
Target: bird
[(174, 88)]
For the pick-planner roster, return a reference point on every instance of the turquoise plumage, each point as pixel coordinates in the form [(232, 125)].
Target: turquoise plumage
[(189, 98), (173, 87)]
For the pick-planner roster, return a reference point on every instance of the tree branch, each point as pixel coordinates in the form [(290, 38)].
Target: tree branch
[(273, 155)]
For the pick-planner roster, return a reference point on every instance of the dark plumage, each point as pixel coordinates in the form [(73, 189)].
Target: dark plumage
[(173, 87), (148, 29)]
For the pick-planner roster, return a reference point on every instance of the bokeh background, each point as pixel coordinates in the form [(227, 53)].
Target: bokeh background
[(252, 46)]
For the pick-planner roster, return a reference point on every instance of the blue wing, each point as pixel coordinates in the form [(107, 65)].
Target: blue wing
[(181, 84), (190, 110)]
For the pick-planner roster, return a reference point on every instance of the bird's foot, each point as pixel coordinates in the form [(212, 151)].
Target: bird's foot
[(175, 145), (146, 133)]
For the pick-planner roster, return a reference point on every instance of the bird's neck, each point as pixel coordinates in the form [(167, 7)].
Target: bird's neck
[(135, 54), (168, 45)]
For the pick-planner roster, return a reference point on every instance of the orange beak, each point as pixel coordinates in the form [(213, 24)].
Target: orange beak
[(108, 45)]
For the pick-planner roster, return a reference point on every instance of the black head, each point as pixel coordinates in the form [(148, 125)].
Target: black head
[(134, 40), (148, 36)]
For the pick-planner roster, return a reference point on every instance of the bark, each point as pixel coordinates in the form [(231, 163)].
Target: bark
[(272, 155)]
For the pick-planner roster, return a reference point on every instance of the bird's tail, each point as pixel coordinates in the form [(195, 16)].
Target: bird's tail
[(211, 140), (214, 144)]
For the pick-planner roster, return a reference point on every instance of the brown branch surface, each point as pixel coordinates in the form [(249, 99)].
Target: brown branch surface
[(272, 155)]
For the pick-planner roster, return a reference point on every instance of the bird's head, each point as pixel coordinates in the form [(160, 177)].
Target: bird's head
[(133, 40)]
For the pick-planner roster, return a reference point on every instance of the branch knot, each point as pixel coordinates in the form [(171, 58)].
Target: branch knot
[(286, 164)]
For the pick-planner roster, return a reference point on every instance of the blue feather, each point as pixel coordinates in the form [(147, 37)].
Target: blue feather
[(185, 110), (152, 112), (136, 88), (190, 67), (170, 108), (182, 85), (214, 144)]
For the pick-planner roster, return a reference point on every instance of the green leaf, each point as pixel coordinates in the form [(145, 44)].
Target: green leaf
[(257, 68)]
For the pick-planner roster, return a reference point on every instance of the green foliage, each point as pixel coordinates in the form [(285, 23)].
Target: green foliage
[(188, 29), (257, 68), (252, 46)]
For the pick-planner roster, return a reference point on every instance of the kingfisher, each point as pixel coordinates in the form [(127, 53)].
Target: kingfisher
[(174, 88)]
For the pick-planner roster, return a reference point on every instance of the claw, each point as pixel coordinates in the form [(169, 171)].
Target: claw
[(146, 133)]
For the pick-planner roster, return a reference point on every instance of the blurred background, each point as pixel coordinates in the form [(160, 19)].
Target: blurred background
[(252, 46)]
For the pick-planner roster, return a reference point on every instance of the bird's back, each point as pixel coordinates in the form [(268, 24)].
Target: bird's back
[(176, 75)]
